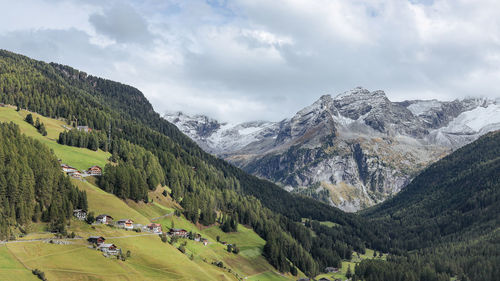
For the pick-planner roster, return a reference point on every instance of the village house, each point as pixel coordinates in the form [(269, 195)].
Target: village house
[(68, 169), (95, 171), (178, 232), (96, 240), (104, 219), (109, 249), (204, 241), (331, 269), (76, 175), (125, 223), (154, 227), (80, 214), (85, 129)]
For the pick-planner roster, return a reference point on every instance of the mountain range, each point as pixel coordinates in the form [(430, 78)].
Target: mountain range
[(351, 150)]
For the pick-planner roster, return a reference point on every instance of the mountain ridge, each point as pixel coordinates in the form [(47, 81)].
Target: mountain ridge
[(351, 150)]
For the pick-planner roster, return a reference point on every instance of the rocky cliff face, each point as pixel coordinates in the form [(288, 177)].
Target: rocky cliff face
[(352, 150)]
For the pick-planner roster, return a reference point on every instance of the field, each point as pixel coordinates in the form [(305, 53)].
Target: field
[(12, 269)]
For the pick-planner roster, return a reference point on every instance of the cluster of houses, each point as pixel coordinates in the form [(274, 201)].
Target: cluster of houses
[(182, 233), (74, 173)]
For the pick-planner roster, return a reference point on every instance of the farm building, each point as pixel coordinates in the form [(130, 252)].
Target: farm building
[(204, 241), (104, 219), (178, 232), (331, 269), (96, 240), (75, 175), (85, 129), (109, 249), (125, 223), (154, 227), (68, 169), (80, 214), (95, 171)]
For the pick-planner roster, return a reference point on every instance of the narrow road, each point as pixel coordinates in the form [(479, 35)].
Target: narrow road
[(164, 216), (67, 239)]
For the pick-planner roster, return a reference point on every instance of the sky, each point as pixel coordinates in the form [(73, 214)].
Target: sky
[(242, 60)]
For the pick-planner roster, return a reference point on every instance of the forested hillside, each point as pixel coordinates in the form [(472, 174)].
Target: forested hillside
[(201, 183), (32, 187), (448, 218)]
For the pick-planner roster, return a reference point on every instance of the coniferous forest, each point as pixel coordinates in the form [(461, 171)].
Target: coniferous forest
[(32, 187), (444, 224)]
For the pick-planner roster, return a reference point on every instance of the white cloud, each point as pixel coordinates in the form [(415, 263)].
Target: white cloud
[(260, 59)]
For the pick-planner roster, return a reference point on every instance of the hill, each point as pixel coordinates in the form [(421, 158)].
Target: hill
[(151, 258)]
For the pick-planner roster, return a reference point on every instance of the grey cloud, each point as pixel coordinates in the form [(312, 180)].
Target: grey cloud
[(122, 23)]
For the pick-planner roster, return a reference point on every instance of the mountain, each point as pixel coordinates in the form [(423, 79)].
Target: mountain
[(448, 215), (352, 150)]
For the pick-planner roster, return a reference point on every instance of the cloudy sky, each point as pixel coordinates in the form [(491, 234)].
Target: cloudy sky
[(260, 59)]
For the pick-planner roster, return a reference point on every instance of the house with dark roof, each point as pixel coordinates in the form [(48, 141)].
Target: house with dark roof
[(96, 240), (104, 219), (80, 214)]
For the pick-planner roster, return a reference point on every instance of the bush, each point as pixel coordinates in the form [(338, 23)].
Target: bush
[(182, 249), (40, 274)]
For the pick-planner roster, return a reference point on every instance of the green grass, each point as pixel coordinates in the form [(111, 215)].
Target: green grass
[(267, 276), (79, 158), (11, 269), (101, 202)]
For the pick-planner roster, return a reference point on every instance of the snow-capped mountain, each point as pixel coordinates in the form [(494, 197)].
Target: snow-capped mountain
[(351, 150), (220, 138)]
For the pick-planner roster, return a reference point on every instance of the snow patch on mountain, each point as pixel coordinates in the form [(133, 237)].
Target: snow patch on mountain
[(420, 107)]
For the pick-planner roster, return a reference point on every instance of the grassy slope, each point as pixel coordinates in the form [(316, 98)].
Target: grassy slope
[(151, 259), (12, 269), (79, 158)]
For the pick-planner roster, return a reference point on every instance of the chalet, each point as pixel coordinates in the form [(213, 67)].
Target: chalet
[(95, 171), (80, 214), (76, 175), (125, 223), (331, 269), (104, 219), (204, 241), (68, 169), (109, 249), (85, 129), (96, 240), (178, 232), (154, 227)]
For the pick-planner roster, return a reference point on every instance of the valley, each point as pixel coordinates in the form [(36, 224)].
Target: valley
[(438, 188)]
